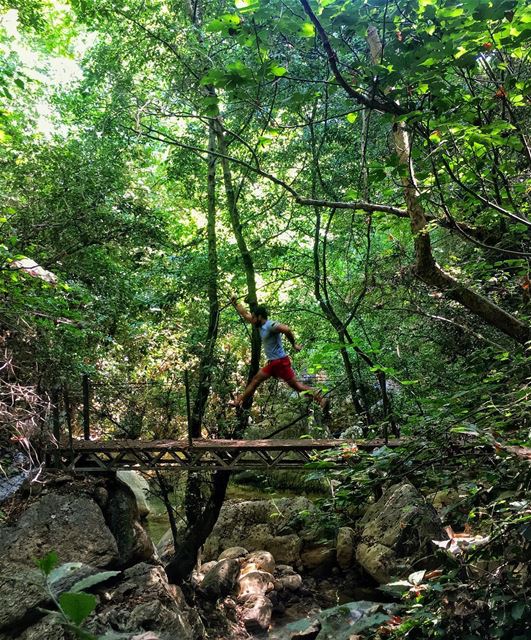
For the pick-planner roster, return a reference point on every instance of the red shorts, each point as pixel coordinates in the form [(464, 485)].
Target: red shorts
[(280, 368)]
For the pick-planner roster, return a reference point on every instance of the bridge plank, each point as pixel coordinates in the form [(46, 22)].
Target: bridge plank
[(225, 445)]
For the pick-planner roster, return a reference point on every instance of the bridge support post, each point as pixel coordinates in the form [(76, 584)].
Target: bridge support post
[(86, 407), (188, 409)]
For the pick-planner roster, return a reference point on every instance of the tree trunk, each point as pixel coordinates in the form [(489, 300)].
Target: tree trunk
[(205, 517), (426, 268), (202, 514), (205, 364), (334, 320), (247, 259), (184, 559)]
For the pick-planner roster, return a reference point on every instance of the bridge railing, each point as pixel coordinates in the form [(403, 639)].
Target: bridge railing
[(97, 409)]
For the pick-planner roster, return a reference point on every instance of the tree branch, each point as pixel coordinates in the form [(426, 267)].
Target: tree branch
[(372, 103), (356, 205)]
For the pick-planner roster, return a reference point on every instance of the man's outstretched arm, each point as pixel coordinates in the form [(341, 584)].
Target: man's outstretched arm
[(246, 315), (283, 328)]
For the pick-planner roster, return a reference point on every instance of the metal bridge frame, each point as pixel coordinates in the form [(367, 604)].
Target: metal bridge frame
[(205, 455)]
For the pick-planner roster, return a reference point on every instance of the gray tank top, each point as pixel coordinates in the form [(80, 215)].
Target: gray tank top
[(272, 340)]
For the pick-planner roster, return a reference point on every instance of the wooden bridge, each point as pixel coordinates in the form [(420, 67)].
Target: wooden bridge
[(205, 455)]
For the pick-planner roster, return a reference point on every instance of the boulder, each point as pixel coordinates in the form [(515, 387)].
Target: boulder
[(139, 486), (144, 601), (396, 533), (123, 517), (274, 526), (46, 629), (291, 582), (320, 559), (345, 547), (72, 525), (22, 591), (261, 561), (255, 583), (233, 553), (205, 568), (285, 549), (221, 580), (256, 613), (284, 569), (237, 521)]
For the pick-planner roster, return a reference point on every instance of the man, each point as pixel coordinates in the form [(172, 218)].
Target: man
[(278, 362)]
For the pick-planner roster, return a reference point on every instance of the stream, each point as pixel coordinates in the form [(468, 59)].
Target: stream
[(304, 617)]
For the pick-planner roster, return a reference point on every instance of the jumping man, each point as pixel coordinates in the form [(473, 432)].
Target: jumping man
[(278, 362)]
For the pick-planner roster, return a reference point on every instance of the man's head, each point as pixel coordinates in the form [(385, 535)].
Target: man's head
[(258, 314)]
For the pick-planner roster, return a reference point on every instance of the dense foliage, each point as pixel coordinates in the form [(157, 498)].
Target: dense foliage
[(362, 167)]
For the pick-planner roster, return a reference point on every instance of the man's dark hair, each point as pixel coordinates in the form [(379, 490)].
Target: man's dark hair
[(259, 310)]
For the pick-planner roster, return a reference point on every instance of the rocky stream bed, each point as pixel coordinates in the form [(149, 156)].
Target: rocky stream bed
[(263, 572)]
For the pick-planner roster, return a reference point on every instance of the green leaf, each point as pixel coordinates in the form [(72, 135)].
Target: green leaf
[(307, 30), (77, 606), (448, 12), (278, 71), (62, 571), (81, 634), (90, 581), (352, 117), (246, 4), (518, 611), (48, 562)]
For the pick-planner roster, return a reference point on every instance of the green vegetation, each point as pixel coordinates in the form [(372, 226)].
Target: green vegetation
[(75, 605), (362, 168)]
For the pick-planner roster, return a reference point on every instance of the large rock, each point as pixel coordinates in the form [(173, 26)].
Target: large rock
[(256, 613), (255, 583), (233, 553), (74, 526), (291, 582), (144, 601), (221, 579), (259, 561), (71, 525), (345, 547), (396, 533), (319, 559), (46, 629), (256, 525), (22, 591), (285, 549), (139, 486), (123, 517)]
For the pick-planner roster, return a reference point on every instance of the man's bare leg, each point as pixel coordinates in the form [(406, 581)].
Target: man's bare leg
[(251, 388), (315, 393)]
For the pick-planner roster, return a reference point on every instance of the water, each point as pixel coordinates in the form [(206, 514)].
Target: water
[(337, 623)]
